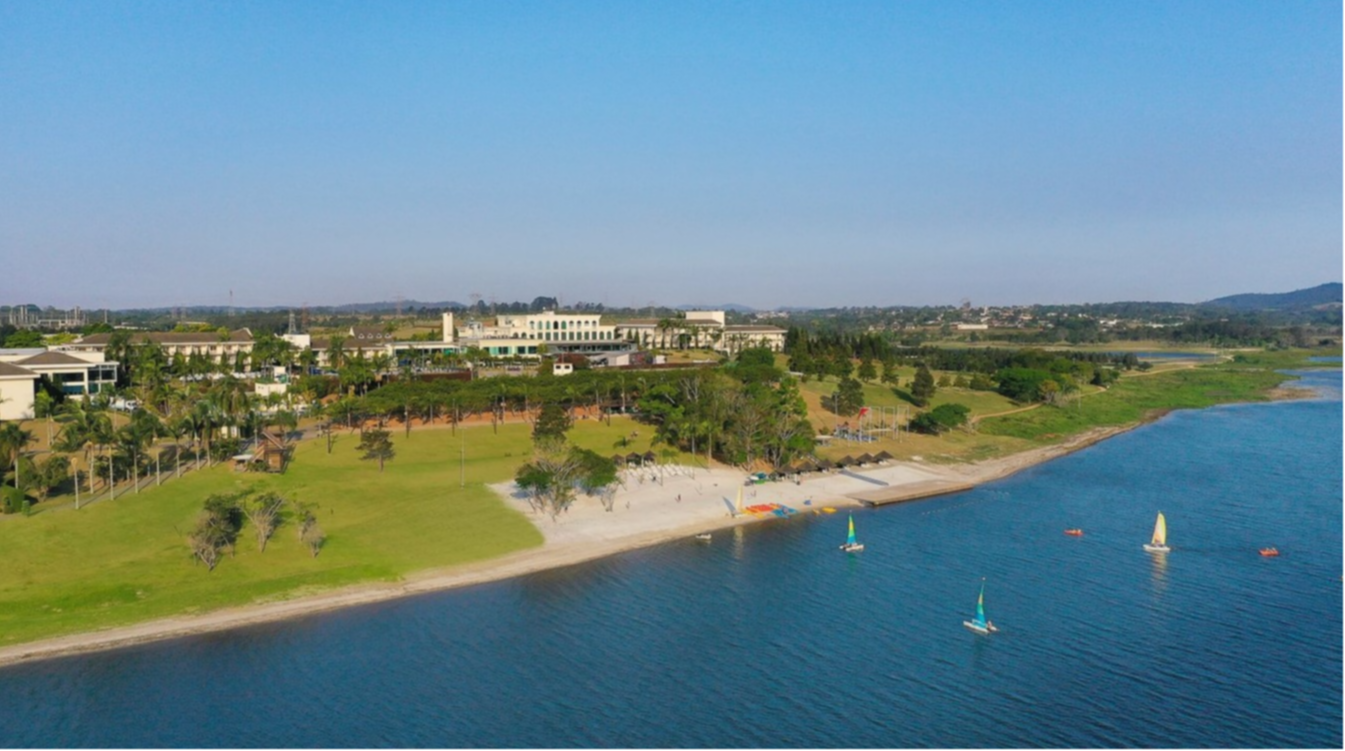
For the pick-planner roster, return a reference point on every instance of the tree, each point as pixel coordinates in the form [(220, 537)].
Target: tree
[(376, 444), (264, 513), (216, 529), (1022, 384), (597, 476), (983, 382), (849, 397), (866, 370), (941, 418), (550, 478), (922, 388), (890, 372), (14, 441), (552, 424), (23, 339), (50, 475), (310, 533)]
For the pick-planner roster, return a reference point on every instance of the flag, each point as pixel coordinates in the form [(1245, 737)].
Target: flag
[(863, 411)]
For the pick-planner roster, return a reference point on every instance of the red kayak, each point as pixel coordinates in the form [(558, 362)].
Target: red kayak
[(1074, 532)]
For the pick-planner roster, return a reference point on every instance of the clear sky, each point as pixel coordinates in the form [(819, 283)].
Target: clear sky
[(766, 153)]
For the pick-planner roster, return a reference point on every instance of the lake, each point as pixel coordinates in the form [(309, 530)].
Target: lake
[(770, 636)]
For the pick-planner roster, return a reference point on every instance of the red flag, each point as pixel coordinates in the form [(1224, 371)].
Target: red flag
[(863, 411)]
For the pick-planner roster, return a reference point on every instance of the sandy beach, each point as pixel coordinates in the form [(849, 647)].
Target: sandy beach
[(651, 506)]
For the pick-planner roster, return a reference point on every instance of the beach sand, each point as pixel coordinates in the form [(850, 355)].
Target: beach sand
[(651, 507)]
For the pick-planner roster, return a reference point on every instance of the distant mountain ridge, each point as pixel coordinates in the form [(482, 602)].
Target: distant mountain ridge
[(733, 307), (1311, 297)]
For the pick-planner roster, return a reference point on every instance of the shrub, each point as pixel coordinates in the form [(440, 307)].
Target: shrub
[(941, 418)]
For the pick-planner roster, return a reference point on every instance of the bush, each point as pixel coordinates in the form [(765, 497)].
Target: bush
[(11, 500), (941, 418), (1022, 384)]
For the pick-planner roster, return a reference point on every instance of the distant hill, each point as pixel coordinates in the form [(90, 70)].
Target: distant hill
[(733, 307), (375, 307), (1322, 294)]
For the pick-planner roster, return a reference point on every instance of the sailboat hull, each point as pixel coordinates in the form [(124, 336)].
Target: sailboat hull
[(1157, 548), (852, 547), (978, 628)]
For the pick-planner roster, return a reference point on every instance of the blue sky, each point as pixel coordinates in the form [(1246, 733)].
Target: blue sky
[(765, 153)]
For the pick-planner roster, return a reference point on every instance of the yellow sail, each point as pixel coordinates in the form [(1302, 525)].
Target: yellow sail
[(1160, 531)]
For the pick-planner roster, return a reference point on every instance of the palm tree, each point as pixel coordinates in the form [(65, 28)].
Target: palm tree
[(336, 352), (308, 359), (13, 440), (380, 363)]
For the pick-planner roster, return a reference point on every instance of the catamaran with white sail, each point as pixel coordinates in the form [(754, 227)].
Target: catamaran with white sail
[(1159, 544)]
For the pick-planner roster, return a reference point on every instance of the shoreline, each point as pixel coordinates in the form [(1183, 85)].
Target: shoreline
[(652, 514)]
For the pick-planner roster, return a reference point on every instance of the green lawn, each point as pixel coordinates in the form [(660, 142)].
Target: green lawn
[(879, 395), (1137, 398), (124, 561)]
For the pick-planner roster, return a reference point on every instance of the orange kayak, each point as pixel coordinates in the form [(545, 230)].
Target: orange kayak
[(1074, 532), (1269, 552)]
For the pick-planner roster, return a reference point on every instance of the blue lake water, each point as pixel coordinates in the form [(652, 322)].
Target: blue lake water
[(771, 637)]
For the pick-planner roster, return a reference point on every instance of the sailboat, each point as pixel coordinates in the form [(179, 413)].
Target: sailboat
[(979, 624), (851, 546), (1160, 541)]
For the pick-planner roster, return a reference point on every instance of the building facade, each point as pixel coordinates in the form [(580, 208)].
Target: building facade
[(18, 386)]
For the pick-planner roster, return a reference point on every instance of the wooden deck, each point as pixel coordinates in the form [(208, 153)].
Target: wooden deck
[(909, 492)]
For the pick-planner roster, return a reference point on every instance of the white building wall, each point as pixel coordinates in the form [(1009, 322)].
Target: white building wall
[(16, 398)]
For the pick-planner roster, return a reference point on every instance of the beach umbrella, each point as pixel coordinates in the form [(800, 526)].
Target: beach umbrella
[(865, 459), (883, 456)]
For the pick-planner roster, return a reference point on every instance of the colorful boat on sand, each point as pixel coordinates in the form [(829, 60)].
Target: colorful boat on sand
[(978, 623), (1074, 532), (1159, 543), (851, 545)]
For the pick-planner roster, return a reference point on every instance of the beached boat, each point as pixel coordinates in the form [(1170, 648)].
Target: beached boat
[(1270, 552), (704, 537), (851, 545), (1074, 532), (1159, 544), (978, 623)]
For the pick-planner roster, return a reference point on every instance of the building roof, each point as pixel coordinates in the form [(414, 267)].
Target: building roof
[(754, 329), (14, 371), (369, 332), (175, 337), (55, 358), (349, 344)]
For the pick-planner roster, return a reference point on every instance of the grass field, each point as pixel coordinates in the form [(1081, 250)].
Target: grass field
[(1136, 398), (124, 561)]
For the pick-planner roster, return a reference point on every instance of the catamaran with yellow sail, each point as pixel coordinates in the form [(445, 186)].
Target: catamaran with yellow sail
[(1159, 544), (851, 544), (978, 623)]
